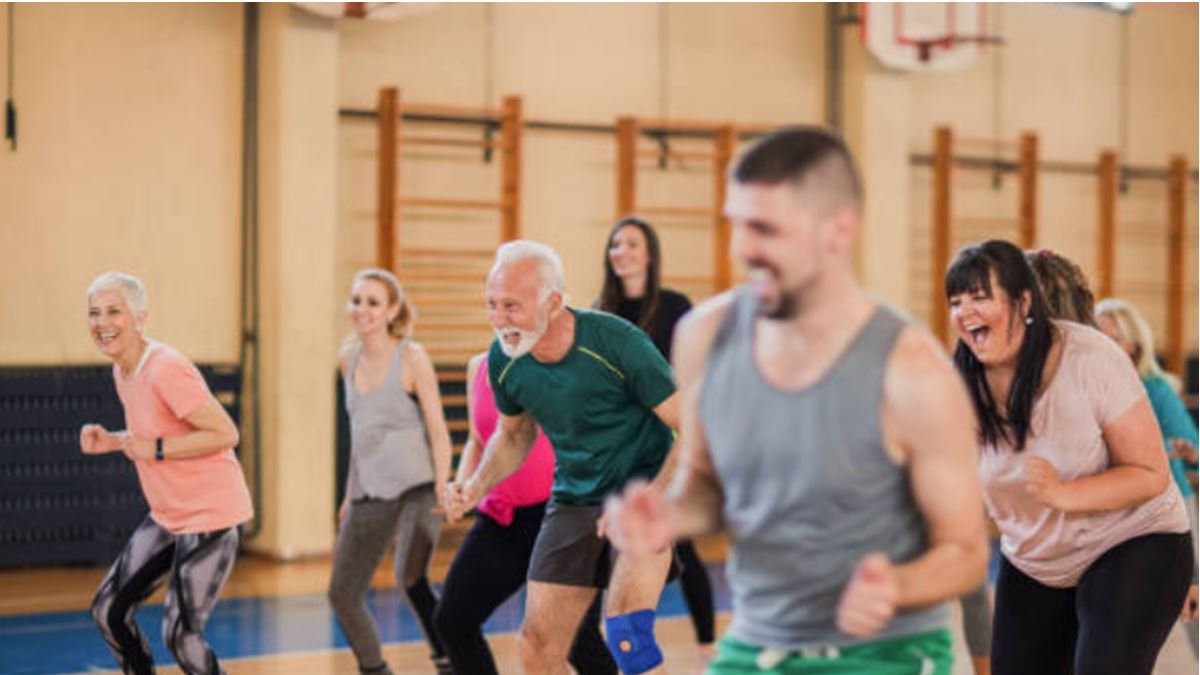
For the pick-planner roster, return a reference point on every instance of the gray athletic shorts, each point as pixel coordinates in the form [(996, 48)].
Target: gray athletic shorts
[(567, 550)]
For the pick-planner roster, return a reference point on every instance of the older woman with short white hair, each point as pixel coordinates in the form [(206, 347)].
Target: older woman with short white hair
[(181, 441)]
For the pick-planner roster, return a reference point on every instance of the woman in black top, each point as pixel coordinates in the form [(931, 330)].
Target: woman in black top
[(633, 290)]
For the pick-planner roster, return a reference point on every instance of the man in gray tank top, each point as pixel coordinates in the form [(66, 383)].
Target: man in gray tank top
[(829, 437)]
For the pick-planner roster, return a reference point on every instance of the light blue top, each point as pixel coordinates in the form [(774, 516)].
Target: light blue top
[(1175, 422)]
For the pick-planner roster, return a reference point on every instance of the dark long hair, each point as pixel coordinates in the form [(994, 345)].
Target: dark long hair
[(971, 272), (613, 291)]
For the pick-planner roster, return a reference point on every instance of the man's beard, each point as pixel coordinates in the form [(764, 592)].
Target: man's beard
[(529, 338)]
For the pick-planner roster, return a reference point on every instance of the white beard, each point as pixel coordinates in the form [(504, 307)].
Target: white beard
[(529, 338)]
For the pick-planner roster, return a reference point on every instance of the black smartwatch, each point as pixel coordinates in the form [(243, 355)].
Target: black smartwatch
[(158, 449)]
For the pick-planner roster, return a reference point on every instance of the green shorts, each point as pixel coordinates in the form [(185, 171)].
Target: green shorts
[(919, 654)]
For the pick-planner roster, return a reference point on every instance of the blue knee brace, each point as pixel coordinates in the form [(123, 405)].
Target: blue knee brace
[(630, 638)]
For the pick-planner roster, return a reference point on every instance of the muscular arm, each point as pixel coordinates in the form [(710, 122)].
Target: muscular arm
[(929, 424)]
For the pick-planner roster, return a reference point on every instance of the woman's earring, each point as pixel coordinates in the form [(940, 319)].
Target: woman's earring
[(1029, 321)]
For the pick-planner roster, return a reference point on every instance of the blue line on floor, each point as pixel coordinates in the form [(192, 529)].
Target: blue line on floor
[(66, 642)]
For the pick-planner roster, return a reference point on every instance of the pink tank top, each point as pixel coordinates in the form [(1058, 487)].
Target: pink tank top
[(530, 484)]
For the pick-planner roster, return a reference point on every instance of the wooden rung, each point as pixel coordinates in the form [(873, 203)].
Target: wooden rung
[(450, 202), (449, 110), (757, 129), (677, 125), (676, 154), (432, 323), (449, 141), (675, 210), (458, 425), (981, 142), (422, 301), (455, 375), (454, 400), (488, 253), (435, 275)]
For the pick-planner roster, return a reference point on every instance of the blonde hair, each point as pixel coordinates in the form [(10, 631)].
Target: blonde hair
[(1134, 328), (130, 287), (399, 327)]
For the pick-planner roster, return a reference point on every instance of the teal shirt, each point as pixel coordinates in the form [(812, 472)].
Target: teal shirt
[(596, 405), (1175, 422)]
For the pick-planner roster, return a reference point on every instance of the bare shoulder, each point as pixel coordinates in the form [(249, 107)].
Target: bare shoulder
[(697, 328), (473, 366), (920, 377)]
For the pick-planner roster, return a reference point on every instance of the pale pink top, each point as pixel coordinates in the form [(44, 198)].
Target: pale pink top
[(1095, 384), (196, 494), (530, 484)]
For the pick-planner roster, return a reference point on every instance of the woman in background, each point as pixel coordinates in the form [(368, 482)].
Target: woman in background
[(1122, 322), (633, 291)]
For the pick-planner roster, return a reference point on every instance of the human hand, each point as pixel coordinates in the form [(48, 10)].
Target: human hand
[(637, 521), (343, 511), (868, 602), (1181, 448), (95, 440), (1042, 481), (459, 498)]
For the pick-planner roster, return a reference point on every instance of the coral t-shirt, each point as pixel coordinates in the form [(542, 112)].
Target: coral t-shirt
[(189, 495)]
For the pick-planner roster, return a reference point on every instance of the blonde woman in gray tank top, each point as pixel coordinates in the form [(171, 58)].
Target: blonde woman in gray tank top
[(399, 462)]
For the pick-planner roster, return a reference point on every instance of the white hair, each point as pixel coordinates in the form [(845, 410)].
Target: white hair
[(130, 287), (549, 265)]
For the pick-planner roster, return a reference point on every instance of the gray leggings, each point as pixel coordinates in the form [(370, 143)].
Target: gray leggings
[(370, 526), (198, 565)]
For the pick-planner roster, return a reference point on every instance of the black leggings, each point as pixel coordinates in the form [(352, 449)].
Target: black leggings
[(198, 566), (697, 591), (1115, 621), (489, 567)]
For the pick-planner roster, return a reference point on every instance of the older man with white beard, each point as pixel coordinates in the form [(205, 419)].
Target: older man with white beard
[(606, 399)]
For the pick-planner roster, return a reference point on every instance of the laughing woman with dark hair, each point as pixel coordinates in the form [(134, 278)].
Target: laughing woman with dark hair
[(1096, 554), (633, 291)]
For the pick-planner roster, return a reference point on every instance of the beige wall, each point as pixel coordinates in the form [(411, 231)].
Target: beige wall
[(574, 63), (1084, 80), (128, 158)]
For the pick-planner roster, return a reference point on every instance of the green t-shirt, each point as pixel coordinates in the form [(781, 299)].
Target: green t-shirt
[(596, 405)]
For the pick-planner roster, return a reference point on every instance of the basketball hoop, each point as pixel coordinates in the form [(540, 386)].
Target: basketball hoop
[(938, 36), (375, 11)]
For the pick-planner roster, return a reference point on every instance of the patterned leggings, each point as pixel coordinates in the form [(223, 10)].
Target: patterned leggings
[(198, 565)]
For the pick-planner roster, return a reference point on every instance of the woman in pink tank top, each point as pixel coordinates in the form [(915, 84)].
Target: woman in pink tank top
[(492, 560)]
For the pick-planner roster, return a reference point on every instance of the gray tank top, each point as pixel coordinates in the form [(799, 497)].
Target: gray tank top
[(808, 486), (389, 449)]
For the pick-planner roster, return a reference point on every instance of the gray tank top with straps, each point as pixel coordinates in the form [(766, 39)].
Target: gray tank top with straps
[(389, 447), (808, 486)]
